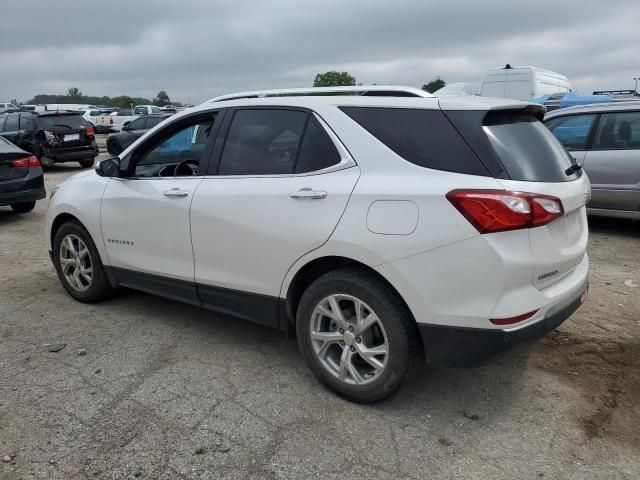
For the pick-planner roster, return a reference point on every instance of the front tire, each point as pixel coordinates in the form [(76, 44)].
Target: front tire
[(356, 335), (114, 149), (23, 207), (86, 163), (78, 264)]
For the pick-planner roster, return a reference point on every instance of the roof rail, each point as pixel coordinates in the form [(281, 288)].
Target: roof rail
[(365, 90), (615, 92)]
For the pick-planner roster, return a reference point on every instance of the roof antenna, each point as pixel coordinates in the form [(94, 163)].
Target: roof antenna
[(508, 67)]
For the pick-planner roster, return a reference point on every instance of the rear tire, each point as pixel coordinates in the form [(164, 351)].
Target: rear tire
[(23, 207), (78, 264), (86, 163), (332, 343)]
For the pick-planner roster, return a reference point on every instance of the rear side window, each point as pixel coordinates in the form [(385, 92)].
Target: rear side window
[(317, 151), (3, 118), (153, 121), (572, 131), (12, 123), (422, 137), (262, 142), (618, 131), (26, 122), (61, 121), (527, 149)]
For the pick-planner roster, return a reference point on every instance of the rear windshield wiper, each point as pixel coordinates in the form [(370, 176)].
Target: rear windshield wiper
[(574, 168)]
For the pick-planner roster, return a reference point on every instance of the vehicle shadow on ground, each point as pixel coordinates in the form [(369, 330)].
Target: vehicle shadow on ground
[(614, 226)]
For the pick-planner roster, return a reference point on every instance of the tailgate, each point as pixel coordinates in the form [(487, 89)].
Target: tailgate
[(558, 247)]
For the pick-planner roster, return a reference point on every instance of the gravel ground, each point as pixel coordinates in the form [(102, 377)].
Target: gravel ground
[(149, 388)]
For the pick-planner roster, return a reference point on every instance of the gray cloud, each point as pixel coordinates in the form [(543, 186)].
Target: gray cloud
[(199, 49)]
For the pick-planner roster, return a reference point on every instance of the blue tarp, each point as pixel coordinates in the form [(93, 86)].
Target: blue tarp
[(570, 99), (540, 100)]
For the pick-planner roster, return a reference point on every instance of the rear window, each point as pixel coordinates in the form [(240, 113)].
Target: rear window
[(527, 149), (70, 121), (422, 137)]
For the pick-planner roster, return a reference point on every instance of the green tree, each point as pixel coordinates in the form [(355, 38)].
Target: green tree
[(74, 92), (162, 99), (334, 79), (123, 101), (434, 85)]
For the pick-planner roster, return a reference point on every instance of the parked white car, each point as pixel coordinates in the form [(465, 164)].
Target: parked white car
[(380, 229), (8, 107)]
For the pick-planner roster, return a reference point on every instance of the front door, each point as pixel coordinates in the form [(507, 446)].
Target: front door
[(145, 215), (613, 163), (280, 187)]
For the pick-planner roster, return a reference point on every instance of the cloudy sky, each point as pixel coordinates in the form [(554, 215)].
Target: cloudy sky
[(199, 49)]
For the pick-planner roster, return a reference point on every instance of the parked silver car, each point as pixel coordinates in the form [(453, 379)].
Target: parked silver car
[(605, 140)]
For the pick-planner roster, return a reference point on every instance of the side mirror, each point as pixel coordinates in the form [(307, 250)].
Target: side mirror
[(109, 167)]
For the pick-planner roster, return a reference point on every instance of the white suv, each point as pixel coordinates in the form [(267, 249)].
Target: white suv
[(379, 229)]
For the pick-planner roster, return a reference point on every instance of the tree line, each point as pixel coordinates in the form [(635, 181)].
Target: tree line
[(344, 79), (74, 95)]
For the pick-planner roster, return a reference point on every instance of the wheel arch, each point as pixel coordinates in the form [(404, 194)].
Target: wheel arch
[(317, 267), (60, 220)]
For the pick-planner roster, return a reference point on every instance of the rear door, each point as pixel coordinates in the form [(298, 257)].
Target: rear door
[(537, 163), (280, 184), (12, 128), (613, 162)]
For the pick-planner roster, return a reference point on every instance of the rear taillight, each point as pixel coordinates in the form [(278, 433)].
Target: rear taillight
[(26, 162), (89, 131), (110, 121), (492, 211)]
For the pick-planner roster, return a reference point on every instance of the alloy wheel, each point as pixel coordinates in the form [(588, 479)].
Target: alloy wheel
[(349, 339), (75, 262)]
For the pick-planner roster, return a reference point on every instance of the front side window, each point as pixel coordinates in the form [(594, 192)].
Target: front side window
[(153, 121), (262, 142), (572, 131), (155, 110), (618, 131), (179, 153)]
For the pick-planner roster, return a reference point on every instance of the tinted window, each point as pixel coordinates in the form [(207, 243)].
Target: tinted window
[(59, 121), (124, 113), (527, 149), (618, 131), (155, 110), (423, 137), (262, 142), (153, 121), (3, 118), (138, 124), (572, 131), (94, 113), (139, 111), (317, 150), (187, 143), (26, 122), (12, 123)]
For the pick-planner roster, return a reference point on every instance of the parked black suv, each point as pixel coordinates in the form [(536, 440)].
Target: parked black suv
[(21, 180), (117, 142), (56, 136)]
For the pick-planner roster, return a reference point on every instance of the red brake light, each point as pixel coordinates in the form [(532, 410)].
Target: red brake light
[(89, 132), (512, 320), (26, 162), (492, 211), (110, 121)]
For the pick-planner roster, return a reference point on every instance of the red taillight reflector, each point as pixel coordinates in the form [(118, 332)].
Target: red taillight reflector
[(89, 132), (512, 320), (111, 121), (492, 211), (26, 162)]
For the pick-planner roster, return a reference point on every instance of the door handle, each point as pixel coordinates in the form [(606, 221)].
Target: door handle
[(309, 194), (175, 193)]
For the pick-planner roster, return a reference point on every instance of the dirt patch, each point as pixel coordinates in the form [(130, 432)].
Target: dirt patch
[(607, 373)]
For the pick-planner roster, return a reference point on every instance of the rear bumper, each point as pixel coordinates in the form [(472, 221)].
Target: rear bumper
[(24, 189), (465, 347), (71, 154)]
